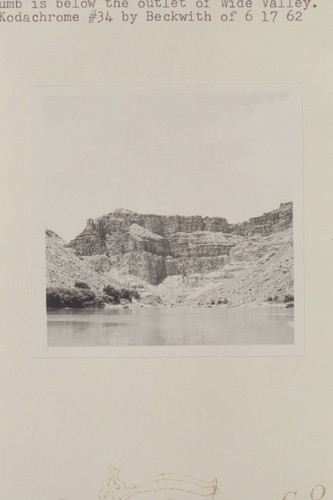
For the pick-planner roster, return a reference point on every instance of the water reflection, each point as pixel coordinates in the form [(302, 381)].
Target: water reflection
[(172, 327)]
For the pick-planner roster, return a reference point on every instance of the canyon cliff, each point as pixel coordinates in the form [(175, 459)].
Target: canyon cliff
[(153, 247), (178, 259)]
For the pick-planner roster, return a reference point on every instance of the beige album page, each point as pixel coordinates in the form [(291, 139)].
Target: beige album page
[(166, 260)]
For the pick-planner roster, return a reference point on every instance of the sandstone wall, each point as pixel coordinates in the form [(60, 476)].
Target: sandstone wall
[(268, 223), (153, 247)]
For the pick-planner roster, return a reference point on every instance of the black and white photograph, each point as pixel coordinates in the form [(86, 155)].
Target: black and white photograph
[(170, 219)]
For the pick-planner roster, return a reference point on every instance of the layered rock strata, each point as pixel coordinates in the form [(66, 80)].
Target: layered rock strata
[(153, 247)]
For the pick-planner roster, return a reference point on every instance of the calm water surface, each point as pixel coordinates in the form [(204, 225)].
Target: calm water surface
[(174, 326)]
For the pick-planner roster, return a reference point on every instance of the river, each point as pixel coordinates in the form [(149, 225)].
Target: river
[(170, 326)]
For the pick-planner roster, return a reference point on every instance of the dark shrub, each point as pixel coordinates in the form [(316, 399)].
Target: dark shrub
[(70, 297), (288, 298), (108, 299), (82, 296), (270, 299), (111, 295), (135, 294), (110, 290), (125, 294), (82, 284), (54, 298)]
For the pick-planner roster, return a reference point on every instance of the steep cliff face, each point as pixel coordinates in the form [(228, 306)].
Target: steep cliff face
[(268, 223), (123, 231), (153, 247), (180, 260)]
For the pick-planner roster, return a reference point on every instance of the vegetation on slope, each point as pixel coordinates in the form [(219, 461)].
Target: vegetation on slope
[(76, 282), (82, 296)]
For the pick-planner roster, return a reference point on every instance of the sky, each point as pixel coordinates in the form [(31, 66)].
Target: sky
[(189, 150)]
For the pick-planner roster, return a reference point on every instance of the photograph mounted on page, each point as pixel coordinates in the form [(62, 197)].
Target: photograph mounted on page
[(172, 218)]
